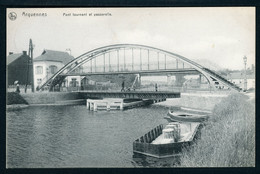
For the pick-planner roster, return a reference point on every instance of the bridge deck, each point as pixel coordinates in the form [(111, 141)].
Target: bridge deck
[(189, 71), (130, 94)]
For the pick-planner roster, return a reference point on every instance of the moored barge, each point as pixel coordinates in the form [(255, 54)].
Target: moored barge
[(167, 141)]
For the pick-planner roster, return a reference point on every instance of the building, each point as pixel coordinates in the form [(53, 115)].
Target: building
[(238, 79), (47, 64), (18, 68)]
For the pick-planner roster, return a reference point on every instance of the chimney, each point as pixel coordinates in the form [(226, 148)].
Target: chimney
[(10, 53), (25, 53), (68, 51)]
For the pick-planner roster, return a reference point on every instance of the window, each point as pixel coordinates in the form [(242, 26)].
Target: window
[(39, 81), (38, 69), (74, 83), (53, 69)]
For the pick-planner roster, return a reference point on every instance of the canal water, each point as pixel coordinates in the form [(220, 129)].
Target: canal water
[(72, 136)]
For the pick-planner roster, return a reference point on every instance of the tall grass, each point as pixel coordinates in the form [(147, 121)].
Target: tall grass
[(228, 139)]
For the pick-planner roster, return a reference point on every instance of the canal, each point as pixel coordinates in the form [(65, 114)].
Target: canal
[(72, 136)]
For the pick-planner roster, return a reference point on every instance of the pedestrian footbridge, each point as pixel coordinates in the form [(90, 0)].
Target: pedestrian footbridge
[(134, 59)]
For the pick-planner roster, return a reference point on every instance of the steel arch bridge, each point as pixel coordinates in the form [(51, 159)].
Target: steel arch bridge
[(133, 59)]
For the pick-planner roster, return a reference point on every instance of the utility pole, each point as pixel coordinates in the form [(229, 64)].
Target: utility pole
[(31, 63), (245, 78)]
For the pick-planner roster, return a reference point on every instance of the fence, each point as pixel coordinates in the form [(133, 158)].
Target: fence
[(12, 88)]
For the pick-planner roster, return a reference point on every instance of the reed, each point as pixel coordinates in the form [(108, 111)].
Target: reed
[(228, 138)]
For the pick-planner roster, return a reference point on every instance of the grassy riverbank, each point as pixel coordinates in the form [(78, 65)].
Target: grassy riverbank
[(228, 139), (15, 98)]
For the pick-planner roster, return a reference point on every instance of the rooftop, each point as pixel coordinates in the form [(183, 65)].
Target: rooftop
[(13, 57), (57, 56)]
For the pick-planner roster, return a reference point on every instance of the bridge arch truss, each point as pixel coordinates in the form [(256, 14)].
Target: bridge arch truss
[(133, 58)]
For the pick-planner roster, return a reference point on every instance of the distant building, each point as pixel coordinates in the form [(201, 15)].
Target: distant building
[(17, 68), (47, 64), (97, 83), (238, 79)]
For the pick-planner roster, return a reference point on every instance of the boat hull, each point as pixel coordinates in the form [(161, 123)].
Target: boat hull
[(144, 146), (188, 118)]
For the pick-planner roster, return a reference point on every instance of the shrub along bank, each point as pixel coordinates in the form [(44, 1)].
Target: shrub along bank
[(15, 98), (228, 139)]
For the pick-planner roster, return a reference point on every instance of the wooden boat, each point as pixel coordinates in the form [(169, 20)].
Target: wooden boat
[(185, 117), (167, 141)]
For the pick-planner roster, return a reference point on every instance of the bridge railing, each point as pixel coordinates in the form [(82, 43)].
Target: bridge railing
[(12, 88), (130, 67)]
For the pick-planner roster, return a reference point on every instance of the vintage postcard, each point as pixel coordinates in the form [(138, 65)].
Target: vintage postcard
[(130, 87)]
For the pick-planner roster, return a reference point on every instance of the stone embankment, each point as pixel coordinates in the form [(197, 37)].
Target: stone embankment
[(16, 107), (195, 101), (53, 98), (17, 101)]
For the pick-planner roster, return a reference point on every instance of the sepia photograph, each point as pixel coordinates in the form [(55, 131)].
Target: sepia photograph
[(164, 87)]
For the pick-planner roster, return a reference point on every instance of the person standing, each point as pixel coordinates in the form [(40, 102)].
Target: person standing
[(123, 86), (17, 88), (156, 88)]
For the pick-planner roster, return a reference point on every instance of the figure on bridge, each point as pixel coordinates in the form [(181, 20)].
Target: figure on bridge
[(156, 88)]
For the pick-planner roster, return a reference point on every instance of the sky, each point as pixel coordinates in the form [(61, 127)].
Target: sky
[(222, 35)]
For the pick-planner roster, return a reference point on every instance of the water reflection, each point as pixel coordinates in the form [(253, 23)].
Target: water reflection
[(72, 136)]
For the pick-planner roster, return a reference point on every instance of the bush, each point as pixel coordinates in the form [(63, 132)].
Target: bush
[(15, 98), (228, 139)]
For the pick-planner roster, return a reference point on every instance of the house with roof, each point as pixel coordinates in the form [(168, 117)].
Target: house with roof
[(18, 69), (48, 63), (239, 76)]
